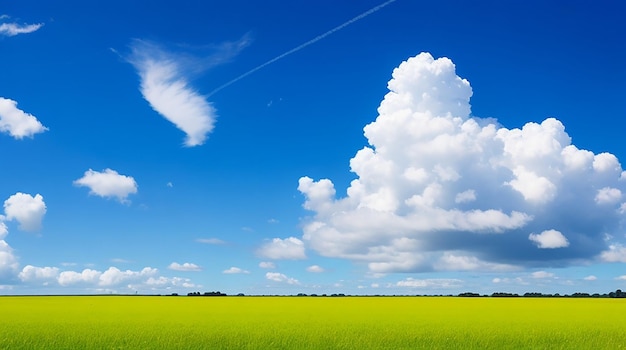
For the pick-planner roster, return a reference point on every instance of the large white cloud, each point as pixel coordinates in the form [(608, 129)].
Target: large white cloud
[(281, 278), (165, 87), (26, 209), (289, 248), (16, 122), (108, 183), (439, 189)]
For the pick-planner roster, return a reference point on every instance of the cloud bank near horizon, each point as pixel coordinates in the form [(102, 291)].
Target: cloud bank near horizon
[(439, 189)]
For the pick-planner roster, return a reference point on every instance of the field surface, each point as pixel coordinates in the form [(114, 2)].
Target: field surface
[(141, 322)]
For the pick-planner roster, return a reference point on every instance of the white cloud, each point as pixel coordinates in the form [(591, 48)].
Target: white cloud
[(279, 277), (16, 122), (436, 182), (315, 269), (289, 248), (235, 270), (87, 276), (430, 283), (541, 274), (165, 87), (108, 184), (621, 278), (4, 230), (590, 278), (115, 277), (13, 29), (26, 209), (615, 253), (32, 273), (8, 261), (267, 265), (549, 239), (608, 195), (184, 267)]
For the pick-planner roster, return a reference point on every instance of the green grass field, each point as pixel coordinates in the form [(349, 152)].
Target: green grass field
[(139, 322)]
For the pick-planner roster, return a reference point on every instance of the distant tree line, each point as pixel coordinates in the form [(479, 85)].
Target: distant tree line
[(617, 294)]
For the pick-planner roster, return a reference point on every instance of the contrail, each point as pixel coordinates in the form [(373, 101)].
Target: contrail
[(298, 48)]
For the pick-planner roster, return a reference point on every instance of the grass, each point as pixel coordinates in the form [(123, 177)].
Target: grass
[(136, 322)]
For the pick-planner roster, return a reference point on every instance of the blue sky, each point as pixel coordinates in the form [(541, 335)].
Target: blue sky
[(283, 147)]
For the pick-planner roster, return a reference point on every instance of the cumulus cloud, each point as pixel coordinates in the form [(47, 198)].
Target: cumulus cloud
[(614, 253), (165, 86), (184, 267), (281, 278), (26, 209), (16, 122), (31, 273), (13, 28), (235, 270), (267, 265), (440, 189), (549, 239), (315, 269), (8, 261), (289, 248), (108, 184), (590, 278), (112, 277)]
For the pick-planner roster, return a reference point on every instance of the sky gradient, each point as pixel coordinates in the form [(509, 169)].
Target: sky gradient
[(399, 147)]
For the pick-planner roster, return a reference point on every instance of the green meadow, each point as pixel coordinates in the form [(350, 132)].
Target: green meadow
[(153, 322)]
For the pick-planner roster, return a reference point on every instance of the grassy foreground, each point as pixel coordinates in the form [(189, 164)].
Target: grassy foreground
[(136, 322)]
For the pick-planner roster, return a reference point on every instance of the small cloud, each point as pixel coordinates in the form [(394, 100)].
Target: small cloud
[(169, 184), (279, 277), (542, 274), (26, 209), (621, 278), (289, 248), (267, 265), (16, 122), (429, 283), (315, 269), (608, 195), (590, 278), (272, 221), (120, 261), (235, 270), (549, 239), (247, 229), (108, 184), (13, 29), (615, 253), (214, 241), (184, 267)]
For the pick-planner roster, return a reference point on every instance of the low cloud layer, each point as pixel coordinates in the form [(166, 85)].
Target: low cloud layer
[(108, 184), (439, 189), (16, 122), (165, 86)]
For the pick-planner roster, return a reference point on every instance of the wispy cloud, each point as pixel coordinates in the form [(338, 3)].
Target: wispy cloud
[(165, 84), (235, 270), (13, 28), (16, 122), (214, 241), (108, 184)]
